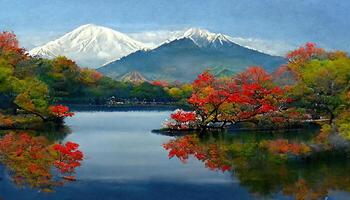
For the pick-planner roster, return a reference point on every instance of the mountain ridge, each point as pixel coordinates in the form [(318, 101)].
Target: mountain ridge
[(183, 59)]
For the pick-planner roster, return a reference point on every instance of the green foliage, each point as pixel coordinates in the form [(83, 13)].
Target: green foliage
[(67, 81), (322, 84), (33, 96), (149, 92), (180, 92), (343, 123), (29, 94)]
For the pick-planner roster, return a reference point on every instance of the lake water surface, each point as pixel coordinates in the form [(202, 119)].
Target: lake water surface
[(125, 160)]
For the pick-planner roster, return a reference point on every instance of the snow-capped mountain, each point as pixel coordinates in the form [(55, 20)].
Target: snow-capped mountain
[(186, 54), (90, 46), (95, 46), (156, 38), (201, 37)]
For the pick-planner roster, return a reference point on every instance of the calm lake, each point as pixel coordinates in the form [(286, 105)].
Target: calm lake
[(124, 159)]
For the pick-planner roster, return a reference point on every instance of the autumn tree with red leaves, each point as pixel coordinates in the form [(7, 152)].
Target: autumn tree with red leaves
[(244, 97), (60, 112), (9, 48), (181, 120), (320, 80)]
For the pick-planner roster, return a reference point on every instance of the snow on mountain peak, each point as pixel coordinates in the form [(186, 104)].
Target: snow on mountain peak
[(202, 37), (90, 45)]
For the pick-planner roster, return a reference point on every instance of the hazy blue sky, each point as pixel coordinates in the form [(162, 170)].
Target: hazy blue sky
[(326, 22)]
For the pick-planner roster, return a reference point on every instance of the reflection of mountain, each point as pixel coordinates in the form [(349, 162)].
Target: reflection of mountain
[(188, 55)]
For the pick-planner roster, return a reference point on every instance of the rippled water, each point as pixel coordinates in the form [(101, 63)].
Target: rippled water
[(125, 160)]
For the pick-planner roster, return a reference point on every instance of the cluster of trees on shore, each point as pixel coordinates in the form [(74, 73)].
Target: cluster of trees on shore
[(314, 84), (32, 85)]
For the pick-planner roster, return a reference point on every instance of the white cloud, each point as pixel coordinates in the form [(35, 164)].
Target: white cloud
[(278, 48), (153, 38), (31, 40)]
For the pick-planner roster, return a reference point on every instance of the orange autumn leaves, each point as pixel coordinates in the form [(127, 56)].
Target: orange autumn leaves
[(283, 146), (31, 159)]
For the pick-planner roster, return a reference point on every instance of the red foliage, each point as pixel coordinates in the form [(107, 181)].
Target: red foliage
[(181, 120), (288, 73), (69, 157), (251, 93), (300, 56), (183, 116), (160, 83), (96, 75), (61, 111), (9, 47), (254, 74), (8, 42), (306, 52), (203, 79)]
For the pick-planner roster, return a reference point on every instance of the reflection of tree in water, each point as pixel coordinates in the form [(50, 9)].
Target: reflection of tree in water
[(30, 160), (264, 172), (51, 132)]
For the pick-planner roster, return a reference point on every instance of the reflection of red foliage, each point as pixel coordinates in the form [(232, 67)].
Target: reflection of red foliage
[(282, 146), (69, 157), (61, 111), (31, 158), (212, 156)]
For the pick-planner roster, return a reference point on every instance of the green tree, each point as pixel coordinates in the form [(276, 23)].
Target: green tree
[(322, 82)]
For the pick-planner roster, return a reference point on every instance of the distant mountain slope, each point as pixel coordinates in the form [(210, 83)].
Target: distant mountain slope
[(90, 45), (133, 77), (188, 55)]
